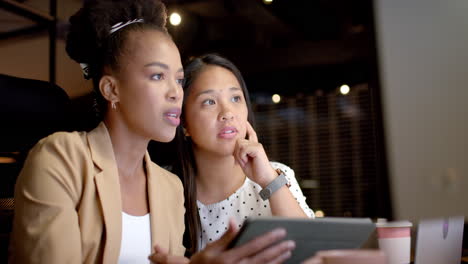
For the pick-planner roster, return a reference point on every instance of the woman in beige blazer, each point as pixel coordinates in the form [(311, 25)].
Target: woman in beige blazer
[(96, 197), (75, 188), (67, 202)]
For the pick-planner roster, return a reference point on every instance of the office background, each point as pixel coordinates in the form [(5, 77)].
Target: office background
[(364, 99)]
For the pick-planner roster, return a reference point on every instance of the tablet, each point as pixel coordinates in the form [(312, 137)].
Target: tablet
[(310, 235)]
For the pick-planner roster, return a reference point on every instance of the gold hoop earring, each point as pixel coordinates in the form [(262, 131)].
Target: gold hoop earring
[(185, 134)]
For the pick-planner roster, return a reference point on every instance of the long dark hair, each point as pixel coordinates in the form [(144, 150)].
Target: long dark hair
[(185, 165)]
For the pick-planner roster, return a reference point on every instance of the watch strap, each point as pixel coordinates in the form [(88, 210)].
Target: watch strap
[(277, 183)]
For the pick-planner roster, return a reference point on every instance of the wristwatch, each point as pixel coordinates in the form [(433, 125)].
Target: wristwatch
[(277, 183)]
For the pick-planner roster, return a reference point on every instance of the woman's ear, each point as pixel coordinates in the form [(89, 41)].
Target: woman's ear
[(109, 89)]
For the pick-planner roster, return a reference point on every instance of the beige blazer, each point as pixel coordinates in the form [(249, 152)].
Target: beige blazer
[(68, 207)]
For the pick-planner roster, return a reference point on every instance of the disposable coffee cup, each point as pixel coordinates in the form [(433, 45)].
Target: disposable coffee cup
[(395, 240)]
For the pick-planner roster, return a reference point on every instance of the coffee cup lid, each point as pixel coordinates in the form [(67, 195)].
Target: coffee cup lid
[(403, 223)]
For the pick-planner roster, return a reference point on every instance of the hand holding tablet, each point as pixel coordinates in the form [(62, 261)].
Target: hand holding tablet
[(310, 235)]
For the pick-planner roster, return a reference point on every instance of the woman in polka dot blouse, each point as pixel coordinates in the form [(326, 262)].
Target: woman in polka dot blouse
[(222, 164)]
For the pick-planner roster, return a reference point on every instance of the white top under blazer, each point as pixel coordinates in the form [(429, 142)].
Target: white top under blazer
[(136, 239)]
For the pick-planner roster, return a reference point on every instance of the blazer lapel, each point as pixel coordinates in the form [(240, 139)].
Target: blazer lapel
[(160, 232), (108, 187)]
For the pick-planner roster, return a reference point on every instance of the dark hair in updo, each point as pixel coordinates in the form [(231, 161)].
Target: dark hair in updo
[(89, 40)]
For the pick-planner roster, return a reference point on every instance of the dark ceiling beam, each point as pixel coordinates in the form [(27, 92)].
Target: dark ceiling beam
[(26, 11), (205, 8), (258, 15), (181, 2), (300, 54), (251, 11), (259, 41), (31, 30), (42, 19)]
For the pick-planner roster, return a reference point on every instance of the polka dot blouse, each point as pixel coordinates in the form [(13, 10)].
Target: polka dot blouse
[(242, 204)]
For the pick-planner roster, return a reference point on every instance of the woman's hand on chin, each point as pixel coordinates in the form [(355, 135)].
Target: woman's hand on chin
[(251, 156)]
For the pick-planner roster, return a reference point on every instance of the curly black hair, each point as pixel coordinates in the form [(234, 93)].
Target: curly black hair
[(89, 40)]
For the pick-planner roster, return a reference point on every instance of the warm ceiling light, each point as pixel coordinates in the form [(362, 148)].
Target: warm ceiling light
[(175, 19), (344, 89), (276, 98), (267, 2)]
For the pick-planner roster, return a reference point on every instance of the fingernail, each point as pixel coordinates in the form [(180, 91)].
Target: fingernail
[(286, 255), (291, 245), (279, 232)]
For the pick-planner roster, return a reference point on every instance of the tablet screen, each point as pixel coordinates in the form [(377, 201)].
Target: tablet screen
[(310, 235)]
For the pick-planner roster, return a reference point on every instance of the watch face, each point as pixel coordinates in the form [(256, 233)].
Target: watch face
[(265, 193)]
